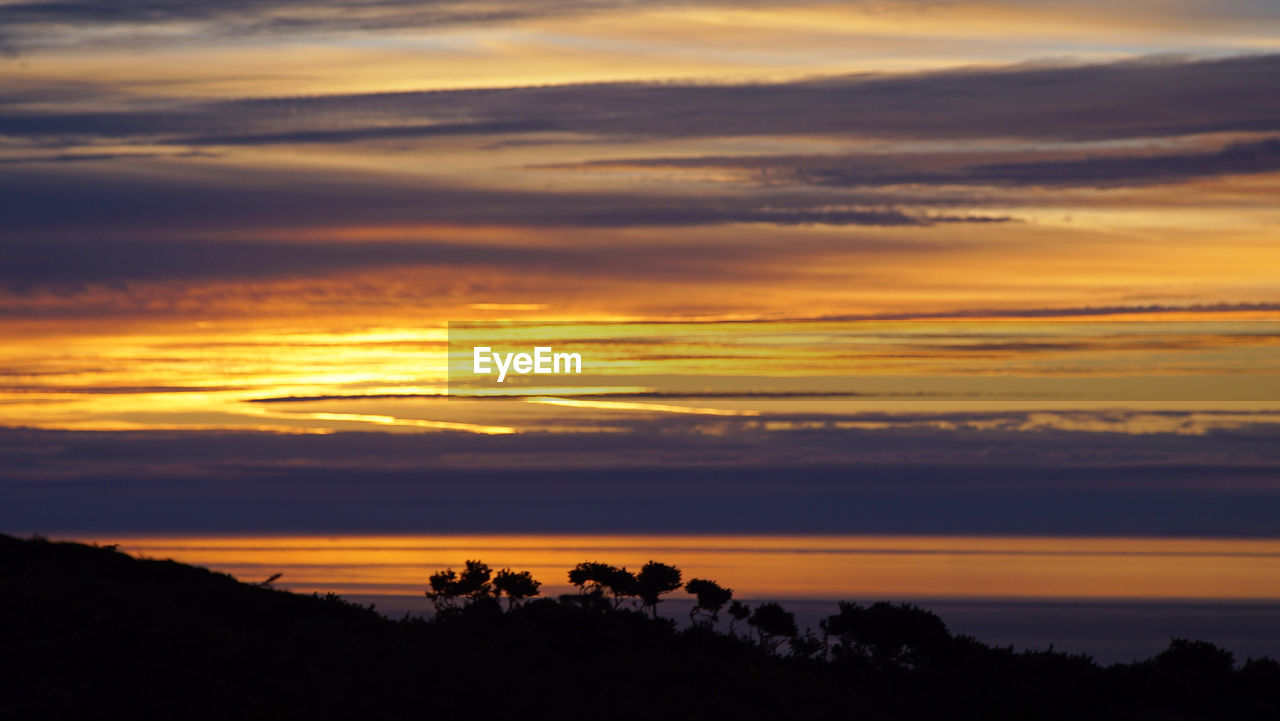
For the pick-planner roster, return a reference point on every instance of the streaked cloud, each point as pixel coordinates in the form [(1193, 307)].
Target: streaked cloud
[(1093, 171), (893, 480), (1140, 98), (197, 200), (205, 204)]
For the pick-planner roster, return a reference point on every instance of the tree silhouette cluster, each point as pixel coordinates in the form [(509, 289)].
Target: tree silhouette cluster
[(881, 636), (887, 635), (477, 581), (605, 586), (645, 587), (92, 633)]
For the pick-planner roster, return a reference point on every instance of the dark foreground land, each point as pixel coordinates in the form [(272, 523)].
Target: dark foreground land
[(91, 633)]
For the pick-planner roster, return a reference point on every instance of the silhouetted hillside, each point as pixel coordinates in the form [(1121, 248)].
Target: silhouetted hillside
[(89, 632)]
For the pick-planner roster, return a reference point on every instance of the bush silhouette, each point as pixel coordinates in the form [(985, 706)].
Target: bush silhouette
[(1195, 658), (711, 597), (654, 580), (515, 586), (773, 625), (596, 578), (888, 635), (448, 588), (473, 581), (443, 590)]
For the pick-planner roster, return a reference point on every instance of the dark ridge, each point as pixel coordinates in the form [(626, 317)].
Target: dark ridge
[(89, 632)]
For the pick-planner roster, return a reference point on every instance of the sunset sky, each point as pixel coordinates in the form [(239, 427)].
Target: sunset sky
[(232, 235)]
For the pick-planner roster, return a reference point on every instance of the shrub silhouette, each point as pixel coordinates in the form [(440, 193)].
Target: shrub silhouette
[(622, 584), (444, 590), (711, 597), (515, 586), (1195, 658), (654, 580), (773, 625), (473, 581), (888, 635), (449, 588), (592, 577)]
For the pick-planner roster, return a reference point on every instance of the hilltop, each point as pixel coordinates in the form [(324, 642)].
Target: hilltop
[(90, 632)]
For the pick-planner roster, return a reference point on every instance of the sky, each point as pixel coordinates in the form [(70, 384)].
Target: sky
[(233, 236)]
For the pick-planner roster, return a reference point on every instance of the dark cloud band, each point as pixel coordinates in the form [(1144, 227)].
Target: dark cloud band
[(889, 170), (1093, 102)]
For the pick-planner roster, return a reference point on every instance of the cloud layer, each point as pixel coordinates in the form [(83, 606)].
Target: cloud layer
[(893, 481), (1148, 98)]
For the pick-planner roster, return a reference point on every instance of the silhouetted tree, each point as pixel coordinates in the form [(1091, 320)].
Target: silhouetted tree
[(516, 586), (473, 582), (711, 598), (773, 625), (888, 635), (444, 590), (592, 577), (654, 580), (448, 587), (622, 584)]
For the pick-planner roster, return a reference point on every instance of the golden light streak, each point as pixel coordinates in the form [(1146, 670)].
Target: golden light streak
[(214, 377), (633, 406), (508, 306), (828, 567), (407, 422)]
